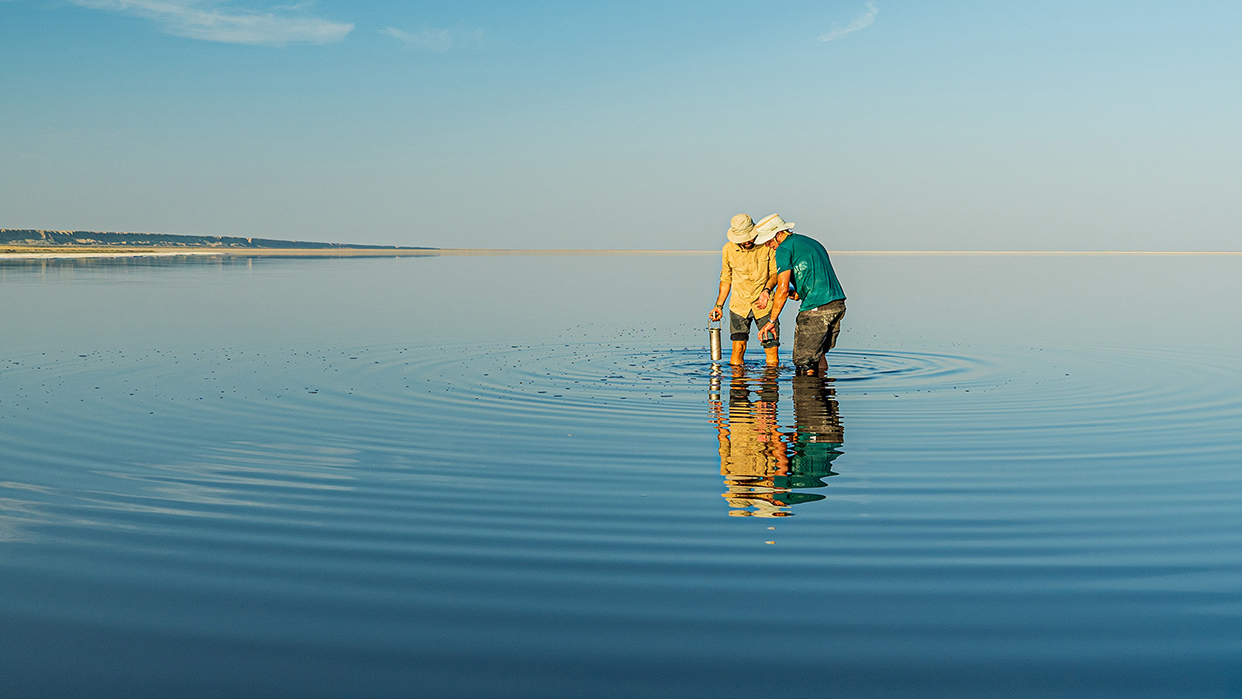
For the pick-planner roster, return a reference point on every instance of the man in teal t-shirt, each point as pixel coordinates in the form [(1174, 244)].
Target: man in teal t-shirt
[(804, 262)]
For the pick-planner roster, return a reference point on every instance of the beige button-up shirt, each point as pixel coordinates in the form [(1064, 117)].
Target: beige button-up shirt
[(747, 271)]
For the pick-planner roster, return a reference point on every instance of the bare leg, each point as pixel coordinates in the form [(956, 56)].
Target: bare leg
[(771, 354), (739, 352)]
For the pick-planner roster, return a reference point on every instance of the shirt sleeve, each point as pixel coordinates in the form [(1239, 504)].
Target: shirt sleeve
[(726, 269)]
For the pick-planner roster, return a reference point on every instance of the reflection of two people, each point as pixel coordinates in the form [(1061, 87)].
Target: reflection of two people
[(766, 471)]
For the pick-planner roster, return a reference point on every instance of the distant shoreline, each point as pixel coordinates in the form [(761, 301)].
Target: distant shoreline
[(79, 252)]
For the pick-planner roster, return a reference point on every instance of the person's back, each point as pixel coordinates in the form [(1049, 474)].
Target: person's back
[(813, 277)]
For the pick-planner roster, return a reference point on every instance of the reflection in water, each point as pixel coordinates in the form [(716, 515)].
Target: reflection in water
[(766, 471)]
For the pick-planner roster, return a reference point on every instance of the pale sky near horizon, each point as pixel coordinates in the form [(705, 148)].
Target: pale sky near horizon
[(883, 125)]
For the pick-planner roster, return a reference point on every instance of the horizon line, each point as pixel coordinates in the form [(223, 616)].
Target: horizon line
[(68, 251), (519, 251)]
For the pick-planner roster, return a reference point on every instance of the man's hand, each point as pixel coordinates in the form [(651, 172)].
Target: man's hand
[(715, 314), (762, 303), (768, 330)]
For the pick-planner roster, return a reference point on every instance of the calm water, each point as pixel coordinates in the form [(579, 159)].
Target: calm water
[(521, 477)]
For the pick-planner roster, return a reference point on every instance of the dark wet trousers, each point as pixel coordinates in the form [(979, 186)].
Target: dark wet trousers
[(815, 334)]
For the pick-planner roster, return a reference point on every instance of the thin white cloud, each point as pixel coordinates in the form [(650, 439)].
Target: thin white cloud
[(860, 22), (436, 40), (210, 21)]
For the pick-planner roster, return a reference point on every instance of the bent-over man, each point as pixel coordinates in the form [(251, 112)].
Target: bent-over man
[(804, 262), (748, 271)]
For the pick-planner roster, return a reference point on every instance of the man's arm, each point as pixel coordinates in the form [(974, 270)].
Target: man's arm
[(778, 303), (726, 283), (717, 313), (765, 295)]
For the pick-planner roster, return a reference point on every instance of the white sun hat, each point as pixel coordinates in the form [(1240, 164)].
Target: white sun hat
[(741, 229), (769, 227)]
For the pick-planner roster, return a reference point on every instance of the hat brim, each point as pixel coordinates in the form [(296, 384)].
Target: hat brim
[(741, 236), (765, 237)]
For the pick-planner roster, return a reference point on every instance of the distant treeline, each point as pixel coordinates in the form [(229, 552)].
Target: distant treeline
[(10, 236)]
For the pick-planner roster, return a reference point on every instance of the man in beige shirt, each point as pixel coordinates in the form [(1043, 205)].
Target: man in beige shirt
[(749, 271)]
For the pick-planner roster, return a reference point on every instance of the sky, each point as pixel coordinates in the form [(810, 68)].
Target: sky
[(874, 125)]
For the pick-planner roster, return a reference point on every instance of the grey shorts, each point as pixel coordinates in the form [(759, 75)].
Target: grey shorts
[(816, 333), (739, 328)]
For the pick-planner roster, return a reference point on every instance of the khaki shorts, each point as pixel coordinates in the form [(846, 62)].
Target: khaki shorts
[(739, 328), (816, 333)]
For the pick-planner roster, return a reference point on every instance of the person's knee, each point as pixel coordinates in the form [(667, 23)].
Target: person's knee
[(771, 342)]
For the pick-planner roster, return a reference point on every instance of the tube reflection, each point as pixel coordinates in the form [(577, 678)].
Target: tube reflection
[(766, 470)]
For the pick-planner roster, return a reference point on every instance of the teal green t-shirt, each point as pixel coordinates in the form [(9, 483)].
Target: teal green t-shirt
[(812, 270)]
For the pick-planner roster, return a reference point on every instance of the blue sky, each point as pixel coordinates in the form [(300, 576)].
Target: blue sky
[(873, 125)]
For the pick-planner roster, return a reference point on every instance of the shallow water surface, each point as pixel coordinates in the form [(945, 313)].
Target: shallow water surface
[(521, 477)]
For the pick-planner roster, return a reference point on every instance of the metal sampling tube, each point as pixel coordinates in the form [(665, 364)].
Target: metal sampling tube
[(713, 338)]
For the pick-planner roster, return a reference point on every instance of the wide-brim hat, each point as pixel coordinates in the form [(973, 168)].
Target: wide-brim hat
[(741, 229), (767, 229)]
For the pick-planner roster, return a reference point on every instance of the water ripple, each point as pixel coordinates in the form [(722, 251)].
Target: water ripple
[(423, 497)]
